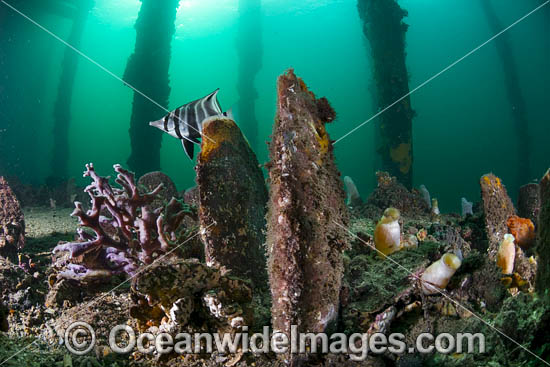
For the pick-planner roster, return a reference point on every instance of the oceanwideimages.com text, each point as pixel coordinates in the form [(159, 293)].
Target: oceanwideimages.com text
[(80, 338)]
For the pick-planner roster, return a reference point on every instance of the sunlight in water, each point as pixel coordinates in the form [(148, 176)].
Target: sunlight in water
[(197, 18), (119, 13)]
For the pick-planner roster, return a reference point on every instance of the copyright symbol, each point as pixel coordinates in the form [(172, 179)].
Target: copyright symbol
[(79, 338)]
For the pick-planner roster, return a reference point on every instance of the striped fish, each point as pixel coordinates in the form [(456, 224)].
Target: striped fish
[(185, 122)]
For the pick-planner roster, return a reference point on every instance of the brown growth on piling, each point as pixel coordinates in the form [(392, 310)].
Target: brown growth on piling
[(307, 210), (497, 208), (233, 201)]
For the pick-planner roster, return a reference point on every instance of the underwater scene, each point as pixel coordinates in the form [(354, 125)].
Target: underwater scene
[(274, 183)]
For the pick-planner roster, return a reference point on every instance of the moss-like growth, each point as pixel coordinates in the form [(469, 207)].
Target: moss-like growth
[(30, 352), (374, 283), (524, 318)]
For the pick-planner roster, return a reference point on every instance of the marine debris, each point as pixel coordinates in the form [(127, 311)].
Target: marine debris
[(383, 26), (353, 198), (233, 197), (307, 214), (126, 230), (155, 28), (12, 222)]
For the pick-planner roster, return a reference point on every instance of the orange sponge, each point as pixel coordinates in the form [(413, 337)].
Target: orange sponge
[(523, 231)]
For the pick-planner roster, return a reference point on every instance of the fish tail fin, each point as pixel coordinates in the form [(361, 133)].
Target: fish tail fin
[(158, 124)]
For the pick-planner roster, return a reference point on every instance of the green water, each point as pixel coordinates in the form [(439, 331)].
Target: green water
[(463, 127)]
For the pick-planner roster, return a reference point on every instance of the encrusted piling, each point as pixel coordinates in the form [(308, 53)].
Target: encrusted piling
[(543, 237), (233, 197), (249, 51), (63, 104), (516, 100), (12, 222), (307, 210), (497, 208), (499, 213), (384, 28), (148, 71)]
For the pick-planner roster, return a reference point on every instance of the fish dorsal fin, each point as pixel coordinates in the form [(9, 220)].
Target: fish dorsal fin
[(229, 114), (214, 94)]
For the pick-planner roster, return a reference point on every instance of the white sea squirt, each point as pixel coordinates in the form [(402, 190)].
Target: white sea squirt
[(425, 195), (387, 233), (437, 276), (506, 255), (467, 207), (353, 196)]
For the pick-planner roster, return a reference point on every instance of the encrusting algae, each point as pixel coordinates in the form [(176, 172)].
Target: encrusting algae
[(402, 155), (216, 132)]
